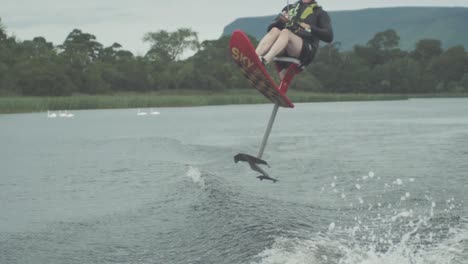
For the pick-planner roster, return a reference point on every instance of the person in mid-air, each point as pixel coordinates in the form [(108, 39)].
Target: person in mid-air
[(296, 33)]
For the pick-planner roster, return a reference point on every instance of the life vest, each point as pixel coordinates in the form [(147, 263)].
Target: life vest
[(298, 18)]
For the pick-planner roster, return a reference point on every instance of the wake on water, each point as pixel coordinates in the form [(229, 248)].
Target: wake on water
[(324, 250), (403, 236), (196, 176), (380, 233)]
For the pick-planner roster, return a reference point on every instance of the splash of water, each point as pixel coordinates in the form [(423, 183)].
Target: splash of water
[(196, 176), (385, 232)]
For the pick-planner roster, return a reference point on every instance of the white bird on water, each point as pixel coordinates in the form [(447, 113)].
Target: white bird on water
[(140, 113), (152, 112), (51, 114), (63, 113), (68, 115)]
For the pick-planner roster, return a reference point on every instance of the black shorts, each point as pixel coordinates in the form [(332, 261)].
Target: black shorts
[(306, 56), (307, 53)]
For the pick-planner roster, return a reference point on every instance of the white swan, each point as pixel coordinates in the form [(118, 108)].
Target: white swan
[(152, 112), (68, 115), (140, 113), (51, 114), (63, 113)]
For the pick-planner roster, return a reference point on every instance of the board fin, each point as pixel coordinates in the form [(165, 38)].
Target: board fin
[(254, 165), (249, 158), (263, 177)]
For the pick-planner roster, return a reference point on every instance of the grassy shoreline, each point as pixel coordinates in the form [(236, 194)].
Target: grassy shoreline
[(180, 99)]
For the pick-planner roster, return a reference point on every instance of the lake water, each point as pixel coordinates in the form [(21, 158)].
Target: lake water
[(360, 182)]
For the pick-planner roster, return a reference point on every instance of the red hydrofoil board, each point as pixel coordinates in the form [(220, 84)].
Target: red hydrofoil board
[(244, 55)]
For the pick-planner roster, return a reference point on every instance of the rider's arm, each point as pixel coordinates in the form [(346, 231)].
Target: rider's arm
[(322, 31), (278, 22)]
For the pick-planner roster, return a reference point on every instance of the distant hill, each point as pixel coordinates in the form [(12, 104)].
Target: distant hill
[(447, 24)]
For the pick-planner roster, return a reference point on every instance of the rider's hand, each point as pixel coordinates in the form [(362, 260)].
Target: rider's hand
[(284, 17), (304, 26)]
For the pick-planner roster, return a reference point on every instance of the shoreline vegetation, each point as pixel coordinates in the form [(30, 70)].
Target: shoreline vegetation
[(176, 98), (83, 66), (82, 73)]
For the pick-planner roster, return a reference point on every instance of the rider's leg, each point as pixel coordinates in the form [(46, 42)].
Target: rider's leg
[(287, 41), (267, 41)]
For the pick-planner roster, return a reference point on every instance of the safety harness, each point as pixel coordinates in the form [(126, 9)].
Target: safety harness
[(295, 18)]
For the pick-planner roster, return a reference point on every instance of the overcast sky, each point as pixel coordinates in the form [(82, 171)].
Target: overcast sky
[(126, 21)]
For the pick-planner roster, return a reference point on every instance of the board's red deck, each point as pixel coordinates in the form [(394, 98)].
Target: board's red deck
[(244, 55)]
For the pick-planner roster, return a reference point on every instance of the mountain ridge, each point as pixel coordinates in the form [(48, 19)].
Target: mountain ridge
[(353, 27)]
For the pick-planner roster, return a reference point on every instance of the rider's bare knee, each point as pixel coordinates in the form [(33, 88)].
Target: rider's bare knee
[(285, 31)]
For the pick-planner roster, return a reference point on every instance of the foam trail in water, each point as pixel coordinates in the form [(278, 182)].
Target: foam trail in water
[(196, 176), (296, 251), (329, 249), (400, 233)]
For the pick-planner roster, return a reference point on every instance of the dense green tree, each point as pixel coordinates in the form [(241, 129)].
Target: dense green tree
[(427, 49), (81, 46), (354, 75), (3, 66), (133, 74), (78, 51), (42, 78), (369, 56), (464, 82), (109, 54), (322, 68), (114, 53), (82, 65), (3, 34), (117, 69), (403, 75), (329, 54), (451, 65), (36, 49), (169, 46), (382, 48), (9, 51), (385, 40), (93, 81), (214, 68)]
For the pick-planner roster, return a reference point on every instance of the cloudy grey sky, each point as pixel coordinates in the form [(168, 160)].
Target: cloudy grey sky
[(126, 21)]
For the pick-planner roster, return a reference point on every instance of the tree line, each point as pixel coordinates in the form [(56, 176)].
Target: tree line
[(82, 65)]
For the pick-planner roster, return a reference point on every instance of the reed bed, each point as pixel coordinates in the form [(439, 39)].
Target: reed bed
[(173, 98)]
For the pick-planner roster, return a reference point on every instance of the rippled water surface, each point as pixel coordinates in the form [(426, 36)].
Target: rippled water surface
[(360, 182)]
